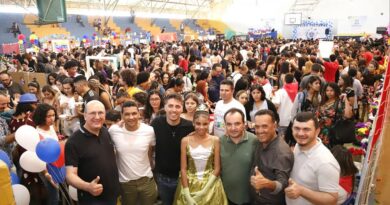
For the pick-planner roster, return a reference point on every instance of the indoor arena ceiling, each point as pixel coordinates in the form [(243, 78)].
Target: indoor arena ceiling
[(188, 8)]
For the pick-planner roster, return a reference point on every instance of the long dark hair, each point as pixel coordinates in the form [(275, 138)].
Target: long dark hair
[(148, 107), (39, 116), (313, 79), (54, 75), (251, 102), (270, 60), (344, 158), (348, 81), (336, 90), (192, 96)]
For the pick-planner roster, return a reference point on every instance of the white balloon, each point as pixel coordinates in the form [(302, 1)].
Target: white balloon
[(21, 194), (73, 193), (27, 137), (30, 162)]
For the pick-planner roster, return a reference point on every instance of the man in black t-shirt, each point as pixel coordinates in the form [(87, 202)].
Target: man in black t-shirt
[(90, 160), (169, 131), (82, 88)]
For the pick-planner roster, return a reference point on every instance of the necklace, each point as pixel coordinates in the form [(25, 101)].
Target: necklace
[(173, 130)]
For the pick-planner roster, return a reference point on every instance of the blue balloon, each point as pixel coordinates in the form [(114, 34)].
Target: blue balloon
[(48, 150), (14, 178), (57, 174), (85, 36), (5, 158), (36, 42)]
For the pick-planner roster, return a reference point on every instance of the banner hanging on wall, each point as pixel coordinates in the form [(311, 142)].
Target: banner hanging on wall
[(10, 48), (313, 29)]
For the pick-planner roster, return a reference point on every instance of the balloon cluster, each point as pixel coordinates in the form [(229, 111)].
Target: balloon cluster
[(41, 154), (21, 38), (114, 35), (95, 37), (34, 39), (85, 39), (21, 194)]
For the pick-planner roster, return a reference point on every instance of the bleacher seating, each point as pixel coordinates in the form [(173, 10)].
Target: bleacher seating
[(191, 23), (187, 29), (146, 25), (110, 23), (76, 29), (27, 23), (43, 30), (6, 23), (165, 23), (218, 26), (124, 22)]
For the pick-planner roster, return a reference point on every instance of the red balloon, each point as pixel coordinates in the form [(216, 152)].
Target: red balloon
[(61, 160), (21, 37)]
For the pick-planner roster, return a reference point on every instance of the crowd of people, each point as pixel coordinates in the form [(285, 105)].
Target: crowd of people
[(205, 122)]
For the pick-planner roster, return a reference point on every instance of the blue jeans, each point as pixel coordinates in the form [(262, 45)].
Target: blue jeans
[(166, 188)]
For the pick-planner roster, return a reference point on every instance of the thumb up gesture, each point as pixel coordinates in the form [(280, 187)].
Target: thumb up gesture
[(293, 191), (94, 188), (258, 181)]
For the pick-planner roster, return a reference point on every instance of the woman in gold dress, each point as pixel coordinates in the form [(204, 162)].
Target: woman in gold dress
[(200, 165)]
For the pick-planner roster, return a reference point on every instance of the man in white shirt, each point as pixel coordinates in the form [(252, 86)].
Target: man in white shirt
[(134, 142), (315, 175), (227, 101), (284, 101)]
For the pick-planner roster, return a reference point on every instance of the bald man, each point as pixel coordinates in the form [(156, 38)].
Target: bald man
[(90, 159)]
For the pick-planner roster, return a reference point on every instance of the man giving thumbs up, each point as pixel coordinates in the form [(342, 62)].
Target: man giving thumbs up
[(273, 161), (90, 160)]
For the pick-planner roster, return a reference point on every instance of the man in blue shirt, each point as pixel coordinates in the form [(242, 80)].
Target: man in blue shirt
[(214, 84)]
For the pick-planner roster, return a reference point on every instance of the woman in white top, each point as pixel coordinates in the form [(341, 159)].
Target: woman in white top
[(87, 71), (51, 80), (258, 101), (68, 106), (199, 181), (44, 118)]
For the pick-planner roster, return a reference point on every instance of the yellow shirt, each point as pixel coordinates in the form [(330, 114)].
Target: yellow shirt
[(133, 90)]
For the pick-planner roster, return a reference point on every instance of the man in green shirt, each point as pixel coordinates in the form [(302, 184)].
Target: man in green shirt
[(237, 148)]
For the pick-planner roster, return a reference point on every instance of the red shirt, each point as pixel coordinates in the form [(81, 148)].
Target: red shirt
[(346, 183), (330, 71), (184, 64), (368, 56)]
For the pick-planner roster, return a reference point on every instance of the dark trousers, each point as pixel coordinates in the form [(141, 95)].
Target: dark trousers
[(232, 203), (166, 188)]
